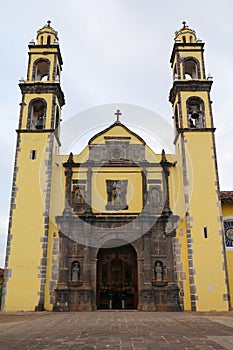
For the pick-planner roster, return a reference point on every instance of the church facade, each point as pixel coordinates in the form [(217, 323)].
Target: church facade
[(118, 226)]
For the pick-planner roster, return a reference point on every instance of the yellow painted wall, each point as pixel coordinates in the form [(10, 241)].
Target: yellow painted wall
[(27, 226), (134, 188), (176, 185), (207, 252)]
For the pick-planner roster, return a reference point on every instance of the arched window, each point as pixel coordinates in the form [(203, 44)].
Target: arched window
[(190, 69), (37, 114), (41, 40), (41, 70), (49, 40), (195, 112), (184, 39)]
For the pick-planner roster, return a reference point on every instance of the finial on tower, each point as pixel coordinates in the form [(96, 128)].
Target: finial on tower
[(184, 24), (163, 157), (49, 22)]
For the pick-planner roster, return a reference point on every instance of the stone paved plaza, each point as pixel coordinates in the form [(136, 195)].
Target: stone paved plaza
[(116, 330)]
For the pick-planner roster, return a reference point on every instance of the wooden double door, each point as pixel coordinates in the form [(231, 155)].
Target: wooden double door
[(117, 278)]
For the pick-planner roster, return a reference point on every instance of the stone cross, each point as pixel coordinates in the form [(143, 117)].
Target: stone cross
[(118, 113)]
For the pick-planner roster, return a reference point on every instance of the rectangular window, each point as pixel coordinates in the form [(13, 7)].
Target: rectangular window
[(205, 232), (33, 154)]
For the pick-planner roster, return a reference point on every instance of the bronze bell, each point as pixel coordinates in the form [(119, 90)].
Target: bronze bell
[(194, 115)]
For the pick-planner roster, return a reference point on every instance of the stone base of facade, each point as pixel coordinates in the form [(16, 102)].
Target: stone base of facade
[(74, 300), (164, 298), (150, 299)]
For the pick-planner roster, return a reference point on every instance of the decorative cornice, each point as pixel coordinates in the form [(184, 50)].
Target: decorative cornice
[(43, 87), (33, 51), (186, 47), (189, 85), (107, 164), (226, 196), (183, 130)]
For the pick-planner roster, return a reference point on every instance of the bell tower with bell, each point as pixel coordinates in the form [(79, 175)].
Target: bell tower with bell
[(37, 142), (200, 232)]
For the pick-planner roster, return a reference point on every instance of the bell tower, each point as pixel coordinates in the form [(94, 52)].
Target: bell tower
[(37, 142), (200, 234)]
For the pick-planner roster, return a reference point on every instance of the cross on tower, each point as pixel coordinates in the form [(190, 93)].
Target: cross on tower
[(118, 113)]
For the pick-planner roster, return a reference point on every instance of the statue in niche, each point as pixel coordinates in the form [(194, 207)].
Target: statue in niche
[(79, 196), (75, 271), (117, 193), (159, 271), (154, 197)]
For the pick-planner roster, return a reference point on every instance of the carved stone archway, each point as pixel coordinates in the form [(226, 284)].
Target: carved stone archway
[(117, 278)]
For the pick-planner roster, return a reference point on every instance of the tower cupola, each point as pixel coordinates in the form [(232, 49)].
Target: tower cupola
[(190, 91), (185, 35), (47, 35), (43, 97)]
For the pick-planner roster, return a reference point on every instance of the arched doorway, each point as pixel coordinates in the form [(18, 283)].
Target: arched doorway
[(117, 283)]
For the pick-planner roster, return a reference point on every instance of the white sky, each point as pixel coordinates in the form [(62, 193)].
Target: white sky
[(114, 52)]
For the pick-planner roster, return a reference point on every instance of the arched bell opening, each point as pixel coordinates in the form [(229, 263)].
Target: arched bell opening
[(41, 70), (117, 280), (191, 69), (195, 112), (37, 114)]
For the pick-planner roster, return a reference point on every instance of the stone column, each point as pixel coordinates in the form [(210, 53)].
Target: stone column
[(147, 260), (93, 281), (170, 257), (147, 293), (140, 282), (87, 268), (68, 174), (63, 267), (89, 190), (144, 186), (61, 291), (165, 166)]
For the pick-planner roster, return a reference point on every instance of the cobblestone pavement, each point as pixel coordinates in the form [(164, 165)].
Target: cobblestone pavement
[(116, 330)]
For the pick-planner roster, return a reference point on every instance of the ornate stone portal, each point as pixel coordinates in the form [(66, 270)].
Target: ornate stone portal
[(115, 257)]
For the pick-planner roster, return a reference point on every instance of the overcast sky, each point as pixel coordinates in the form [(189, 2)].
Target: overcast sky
[(114, 52)]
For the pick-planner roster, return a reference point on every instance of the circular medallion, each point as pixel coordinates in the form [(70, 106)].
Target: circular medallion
[(116, 152), (229, 233)]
